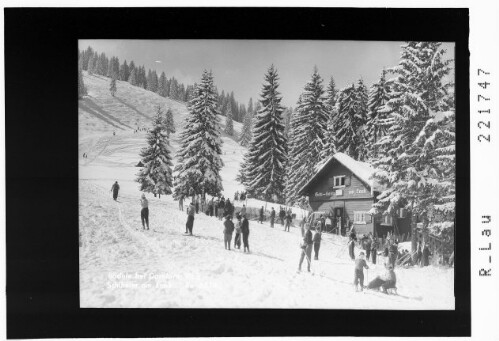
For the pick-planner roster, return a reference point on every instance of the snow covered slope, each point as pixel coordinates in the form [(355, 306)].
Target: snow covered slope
[(121, 266)]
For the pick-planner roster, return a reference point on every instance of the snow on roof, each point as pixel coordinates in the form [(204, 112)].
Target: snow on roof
[(362, 170)]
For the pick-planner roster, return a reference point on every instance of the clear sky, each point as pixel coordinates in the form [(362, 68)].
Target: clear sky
[(240, 65)]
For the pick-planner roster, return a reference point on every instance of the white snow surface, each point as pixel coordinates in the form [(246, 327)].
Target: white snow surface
[(121, 266)]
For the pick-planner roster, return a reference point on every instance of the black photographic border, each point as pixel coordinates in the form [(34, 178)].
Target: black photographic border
[(41, 46)]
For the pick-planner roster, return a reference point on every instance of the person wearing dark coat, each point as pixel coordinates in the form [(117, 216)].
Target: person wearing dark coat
[(221, 208), (282, 215), (387, 280), (191, 211), (260, 220), (115, 189), (272, 217), (317, 243), (228, 229), (229, 209), (351, 246), (306, 248), (367, 247), (237, 238), (245, 231), (392, 253), (374, 250), (426, 255), (289, 219)]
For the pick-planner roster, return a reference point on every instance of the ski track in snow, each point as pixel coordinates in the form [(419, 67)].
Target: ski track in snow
[(197, 272)]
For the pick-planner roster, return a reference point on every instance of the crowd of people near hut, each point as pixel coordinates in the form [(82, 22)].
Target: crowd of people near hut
[(370, 247)]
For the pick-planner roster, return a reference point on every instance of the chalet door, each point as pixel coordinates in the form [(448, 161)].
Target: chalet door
[(338, 215)]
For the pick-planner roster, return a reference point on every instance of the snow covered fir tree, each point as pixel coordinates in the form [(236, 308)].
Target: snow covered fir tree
[(417, 165), (156, 174), (169, 122), (229, 124), (263, 170), (112, 86), (198, 159), (309, 130)]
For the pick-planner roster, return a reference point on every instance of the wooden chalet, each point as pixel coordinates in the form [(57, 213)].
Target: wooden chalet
[(343, 189)]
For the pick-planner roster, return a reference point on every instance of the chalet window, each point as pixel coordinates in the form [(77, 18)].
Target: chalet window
[(387, 220), (339, 181), (360, 217)]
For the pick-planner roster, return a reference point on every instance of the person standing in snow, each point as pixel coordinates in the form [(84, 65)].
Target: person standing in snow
[(260, 218), (115, 189), (191, 211), (306, 248), (374, 250), (289, 219), (317, 243), (392, 253), (228, 229), (237, 238), (351, 246), (272, 217), (144, 212), (243, 211), (181, 202), (197, 204), (282, 214), (245, 231), (426, 255), (227, 208), (221, 208), (367, 247), (360, 264), (212, 206)]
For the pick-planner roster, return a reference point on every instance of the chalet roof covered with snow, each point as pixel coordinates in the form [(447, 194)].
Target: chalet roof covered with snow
[(362, 170)]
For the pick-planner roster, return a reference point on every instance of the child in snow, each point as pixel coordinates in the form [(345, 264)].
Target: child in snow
[(237, 238), (384, 282), (144, 213), (228, 229), (245, 231), (360, 264), (306, 248), (317, 243)]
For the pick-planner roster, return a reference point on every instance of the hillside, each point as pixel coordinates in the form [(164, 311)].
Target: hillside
[(123, 266)]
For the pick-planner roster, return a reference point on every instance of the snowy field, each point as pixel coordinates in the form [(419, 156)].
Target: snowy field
[(121, 266)]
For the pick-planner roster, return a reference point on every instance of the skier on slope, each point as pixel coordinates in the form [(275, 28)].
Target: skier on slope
[(228, 229), (374, 249), (115, 189), (272, 217), (144, 212), (306, 248), (245, 231), (360, 264), (282, 215), (191, 211), (317, 243)]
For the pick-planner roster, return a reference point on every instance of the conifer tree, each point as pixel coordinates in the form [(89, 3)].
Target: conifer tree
[(265, 161), (162, 85), (417, 168), (376, 118), (112, 86), (91, 63), (361, 121), (133, 77), (229, 124), (199, 156), (156, 174), (169, 123), (245, 137), (330, 141), (309, 134), (348, 127)]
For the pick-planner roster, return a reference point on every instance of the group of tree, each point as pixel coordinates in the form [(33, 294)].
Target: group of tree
[(99, 64)]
